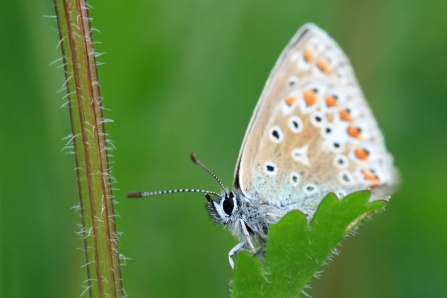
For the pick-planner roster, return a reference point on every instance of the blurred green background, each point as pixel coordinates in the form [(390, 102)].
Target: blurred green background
[(182, 76)]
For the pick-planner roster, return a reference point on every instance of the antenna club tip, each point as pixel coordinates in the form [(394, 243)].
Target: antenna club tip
[(193, 157), (135, 195)]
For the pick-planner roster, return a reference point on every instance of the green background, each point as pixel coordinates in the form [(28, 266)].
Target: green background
[(182, 76)]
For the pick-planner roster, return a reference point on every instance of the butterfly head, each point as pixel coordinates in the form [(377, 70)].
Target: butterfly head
[(224, 209)]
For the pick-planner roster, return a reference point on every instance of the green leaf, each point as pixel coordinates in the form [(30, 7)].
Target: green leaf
[(295, 249)]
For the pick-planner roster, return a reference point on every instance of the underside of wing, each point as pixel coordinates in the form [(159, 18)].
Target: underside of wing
[(312, 131)]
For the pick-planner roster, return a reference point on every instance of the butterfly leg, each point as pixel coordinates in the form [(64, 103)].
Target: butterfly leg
[(247, 235), (233, 252)]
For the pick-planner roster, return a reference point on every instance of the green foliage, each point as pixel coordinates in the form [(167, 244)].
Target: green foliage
[(182, 76), (296, 249)]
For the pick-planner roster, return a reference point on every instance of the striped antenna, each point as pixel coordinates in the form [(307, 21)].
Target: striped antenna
[(163, 192), (198, 162)]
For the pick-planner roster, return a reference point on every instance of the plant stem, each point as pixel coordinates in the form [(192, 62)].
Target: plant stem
[(103, 267)]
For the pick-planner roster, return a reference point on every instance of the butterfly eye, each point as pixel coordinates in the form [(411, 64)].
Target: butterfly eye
[(228, 205)]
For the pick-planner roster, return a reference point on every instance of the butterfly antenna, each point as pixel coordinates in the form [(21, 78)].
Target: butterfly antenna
[(163, 192), (198, 162)]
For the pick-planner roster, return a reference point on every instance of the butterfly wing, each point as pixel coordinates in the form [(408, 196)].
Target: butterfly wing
[(312, 131)]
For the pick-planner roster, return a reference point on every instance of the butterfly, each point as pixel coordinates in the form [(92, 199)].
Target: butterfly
[(311, 133)]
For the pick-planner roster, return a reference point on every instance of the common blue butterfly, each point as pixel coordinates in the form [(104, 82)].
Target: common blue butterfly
[(311, 133)]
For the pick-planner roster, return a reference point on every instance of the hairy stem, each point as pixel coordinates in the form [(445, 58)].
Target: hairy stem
[(103, 266)]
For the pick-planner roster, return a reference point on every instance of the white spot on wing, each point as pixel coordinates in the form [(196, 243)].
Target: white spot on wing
[(317, 119), (302, 64), (341, 193), (291, 82), (341, 161), (344, 74), (346, 177), (332, 58), (327, 131), (295, 124), (295, 56), (315, 45), (300, 154), (270, 168), (310, 189), (295, 178), (335, 146)]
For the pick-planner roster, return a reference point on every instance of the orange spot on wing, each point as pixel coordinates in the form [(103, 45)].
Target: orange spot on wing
[(370, 176), (323, 66), (331, 101), (310, 97), (344, 115), (354, 132), (361, 154), (308, 56), (290, 100)]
